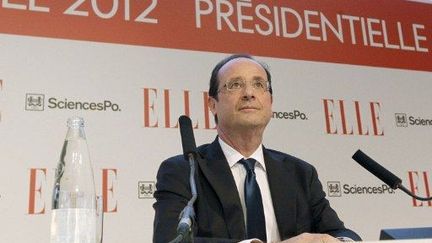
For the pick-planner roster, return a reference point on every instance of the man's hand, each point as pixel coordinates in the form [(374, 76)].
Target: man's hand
[(311, 238)]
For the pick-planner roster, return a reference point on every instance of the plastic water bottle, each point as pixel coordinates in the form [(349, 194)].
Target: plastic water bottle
[(74, 216)]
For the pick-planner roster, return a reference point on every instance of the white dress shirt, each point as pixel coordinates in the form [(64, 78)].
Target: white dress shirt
[(239, 173)]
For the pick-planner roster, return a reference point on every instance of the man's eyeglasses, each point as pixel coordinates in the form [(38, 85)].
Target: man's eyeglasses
[(235, 85)]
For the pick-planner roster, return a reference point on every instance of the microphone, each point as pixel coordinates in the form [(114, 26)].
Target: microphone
[(383, 174), (373, 167), (187, 136), (187, 216)]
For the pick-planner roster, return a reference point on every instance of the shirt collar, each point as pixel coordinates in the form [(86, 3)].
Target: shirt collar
[(233, 156)]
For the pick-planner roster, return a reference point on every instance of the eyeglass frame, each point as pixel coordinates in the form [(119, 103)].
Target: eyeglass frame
[(243, 82)]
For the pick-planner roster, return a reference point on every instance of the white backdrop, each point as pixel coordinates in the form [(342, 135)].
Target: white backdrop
[(126, 152)]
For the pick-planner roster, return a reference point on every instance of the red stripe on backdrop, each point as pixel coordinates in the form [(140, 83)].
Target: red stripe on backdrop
[(384, 33)]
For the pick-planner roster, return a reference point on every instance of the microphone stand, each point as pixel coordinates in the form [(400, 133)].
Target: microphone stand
[(404, 189), (187, 215)]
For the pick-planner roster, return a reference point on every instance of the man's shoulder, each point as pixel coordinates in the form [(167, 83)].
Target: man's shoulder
[(287, 158), (174, 164), (180, 158)]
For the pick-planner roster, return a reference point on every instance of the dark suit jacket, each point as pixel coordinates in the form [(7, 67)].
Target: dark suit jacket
[(298, 198)]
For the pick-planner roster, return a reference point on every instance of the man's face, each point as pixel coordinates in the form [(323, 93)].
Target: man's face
[(246, 107)]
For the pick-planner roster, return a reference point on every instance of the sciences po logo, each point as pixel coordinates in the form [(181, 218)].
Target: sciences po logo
[(418, 182), (337, 189), (38, 102), (146, 189), (291, 115), (404, 120)]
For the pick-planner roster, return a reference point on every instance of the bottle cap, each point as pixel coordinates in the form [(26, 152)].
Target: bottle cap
[(75, 122)]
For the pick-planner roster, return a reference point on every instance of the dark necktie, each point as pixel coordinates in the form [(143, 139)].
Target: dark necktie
[(255, 213)]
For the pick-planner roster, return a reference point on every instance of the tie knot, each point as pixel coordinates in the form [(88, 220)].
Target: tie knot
[(249, 164)]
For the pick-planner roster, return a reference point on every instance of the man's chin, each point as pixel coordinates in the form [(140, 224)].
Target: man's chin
[(250, 122)]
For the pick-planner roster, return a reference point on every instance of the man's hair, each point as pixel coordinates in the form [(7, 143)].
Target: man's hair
[(214, 82)]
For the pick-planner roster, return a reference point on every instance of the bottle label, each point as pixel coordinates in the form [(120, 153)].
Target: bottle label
[(73, 225)]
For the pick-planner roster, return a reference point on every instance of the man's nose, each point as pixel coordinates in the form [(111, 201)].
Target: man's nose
[(248, 91)]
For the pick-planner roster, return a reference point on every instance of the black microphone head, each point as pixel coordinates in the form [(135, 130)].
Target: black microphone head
[(373, 167), (187, 136)]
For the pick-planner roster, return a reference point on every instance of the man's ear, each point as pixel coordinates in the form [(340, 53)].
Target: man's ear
[(211, 103)]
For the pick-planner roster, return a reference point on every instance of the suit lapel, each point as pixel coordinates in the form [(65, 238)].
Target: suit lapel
[(281, 177), (218, 173)]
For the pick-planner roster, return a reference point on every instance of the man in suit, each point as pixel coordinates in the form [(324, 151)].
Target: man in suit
[(246, 192)]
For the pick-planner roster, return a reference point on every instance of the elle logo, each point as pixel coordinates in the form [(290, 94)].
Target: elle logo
[(39, 192), (163, 107), (419, 182), (349, 119)]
